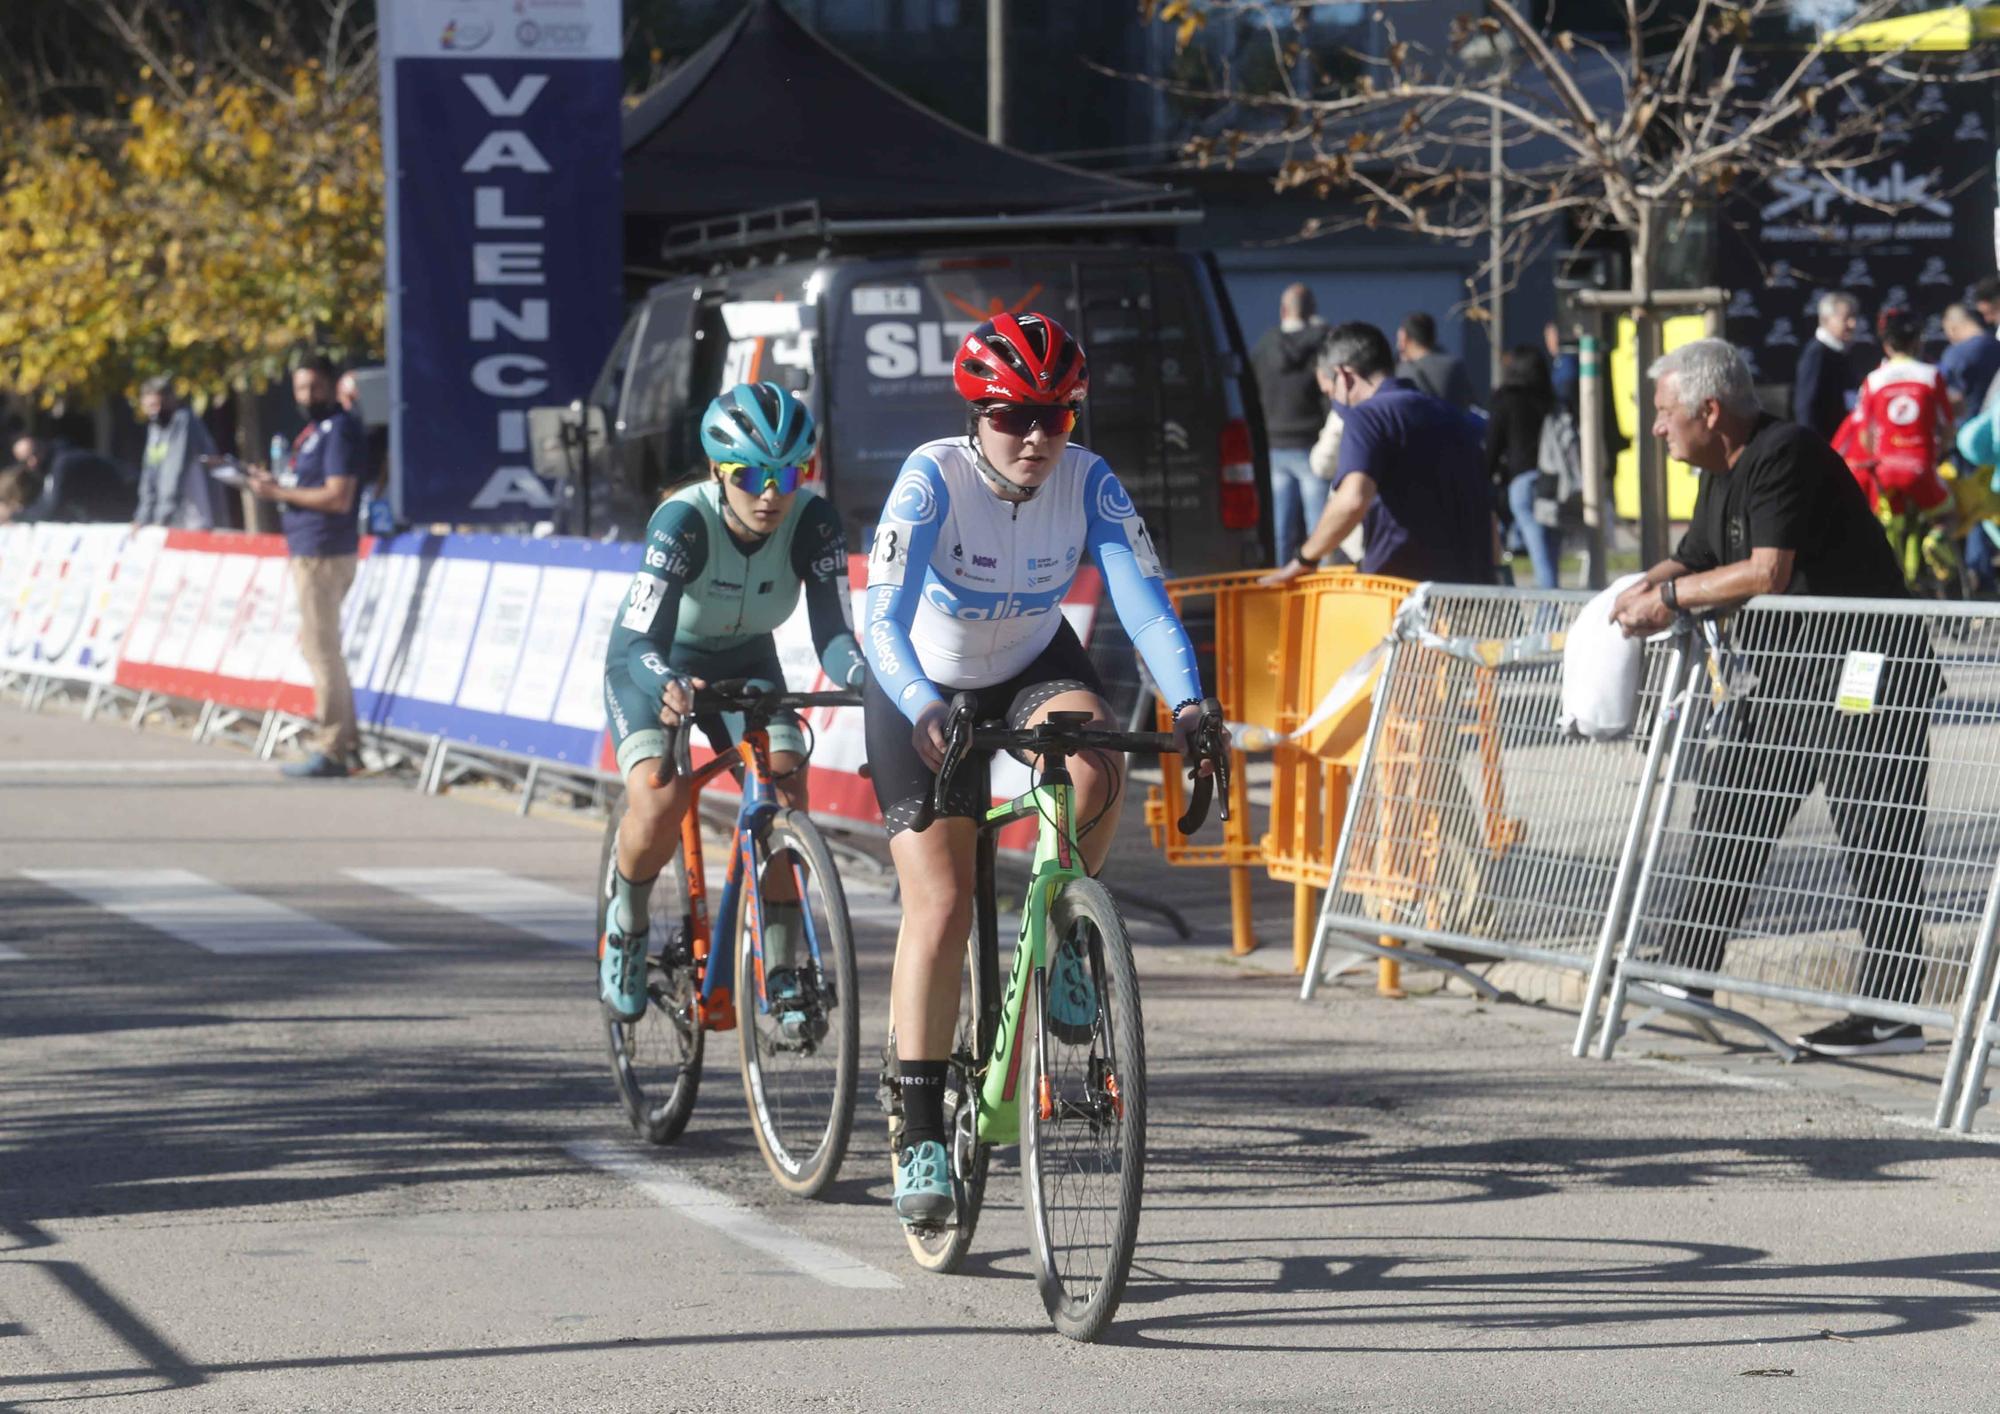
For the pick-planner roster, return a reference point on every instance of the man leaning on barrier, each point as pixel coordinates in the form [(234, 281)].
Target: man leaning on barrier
[(1778, 513)]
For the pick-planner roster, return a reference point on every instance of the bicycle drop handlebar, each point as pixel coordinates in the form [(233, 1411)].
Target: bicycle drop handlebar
[(1209, 742), (757, 700)]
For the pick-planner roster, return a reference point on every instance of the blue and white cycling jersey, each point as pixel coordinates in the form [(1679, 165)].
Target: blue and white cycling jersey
[(965, 589)]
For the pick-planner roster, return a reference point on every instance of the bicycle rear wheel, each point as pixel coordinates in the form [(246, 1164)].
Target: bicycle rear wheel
[(656, 1060), (1083, 1130), (943, 1248), (800, 1068)]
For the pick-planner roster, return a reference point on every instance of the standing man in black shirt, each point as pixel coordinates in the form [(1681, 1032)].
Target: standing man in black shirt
[(1294, 412), (1824, 385), (1779, 513)]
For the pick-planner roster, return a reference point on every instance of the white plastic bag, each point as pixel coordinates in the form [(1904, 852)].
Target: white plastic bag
[(1601, 671)]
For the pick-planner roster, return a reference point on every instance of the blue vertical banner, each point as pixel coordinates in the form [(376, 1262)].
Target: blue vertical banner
[(500, 127)]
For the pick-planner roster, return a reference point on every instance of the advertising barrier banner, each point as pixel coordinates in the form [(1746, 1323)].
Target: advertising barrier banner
[(218, 621), (489, 641), (67, 595)]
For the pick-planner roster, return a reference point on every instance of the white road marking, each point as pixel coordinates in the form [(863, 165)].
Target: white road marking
[(526, 905), (1702, 1072), (103, 767), (8, 954), (1923, 1122), (670, 1189), (212, 916)]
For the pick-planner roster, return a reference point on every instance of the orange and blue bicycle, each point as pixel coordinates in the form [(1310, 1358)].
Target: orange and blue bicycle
[(797, 1017)]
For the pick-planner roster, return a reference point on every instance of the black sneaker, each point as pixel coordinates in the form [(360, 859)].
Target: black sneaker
[(1862, 1036)]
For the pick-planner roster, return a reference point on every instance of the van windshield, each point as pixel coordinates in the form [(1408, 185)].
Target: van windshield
[(1153, 401)]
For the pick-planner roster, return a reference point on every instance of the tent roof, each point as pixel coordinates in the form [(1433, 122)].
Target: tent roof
[(766, 114)]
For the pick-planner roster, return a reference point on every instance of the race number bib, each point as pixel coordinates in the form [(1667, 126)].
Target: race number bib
[(643, 602), (889, 557)]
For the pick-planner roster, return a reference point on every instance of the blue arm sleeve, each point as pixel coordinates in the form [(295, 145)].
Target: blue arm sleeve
[(819, 559), (676, 552), (905, 539), (1124, 551)]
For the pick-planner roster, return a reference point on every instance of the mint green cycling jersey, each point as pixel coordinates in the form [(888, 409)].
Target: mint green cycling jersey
[(705, 603), (734, 596)]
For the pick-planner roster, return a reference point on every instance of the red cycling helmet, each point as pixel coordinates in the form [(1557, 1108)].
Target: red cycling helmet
[(1027, 358)]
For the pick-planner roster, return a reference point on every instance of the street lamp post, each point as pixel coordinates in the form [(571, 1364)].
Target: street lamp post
[(1496, 215), (1494, 53), (996, 71)]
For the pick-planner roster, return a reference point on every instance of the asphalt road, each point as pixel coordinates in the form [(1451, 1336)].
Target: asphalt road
[(289, 1125)]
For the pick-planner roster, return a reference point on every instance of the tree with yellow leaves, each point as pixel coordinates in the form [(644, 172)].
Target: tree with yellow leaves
[(217, 217)]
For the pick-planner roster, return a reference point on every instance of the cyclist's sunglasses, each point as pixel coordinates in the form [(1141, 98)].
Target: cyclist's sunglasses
[(756, 480), (1020, 419)]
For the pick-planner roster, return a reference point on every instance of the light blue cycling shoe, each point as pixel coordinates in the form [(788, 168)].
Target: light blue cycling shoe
[(621, 975), (923, 1184), (1072, 1004)]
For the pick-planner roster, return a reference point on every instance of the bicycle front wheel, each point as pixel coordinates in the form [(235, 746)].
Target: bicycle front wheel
[(1083, 1117), (800, 1029), (656, 1060)]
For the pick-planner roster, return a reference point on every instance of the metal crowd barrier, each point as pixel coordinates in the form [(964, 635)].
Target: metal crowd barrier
[(1476, 827), (1824, 831), (1828, 832)]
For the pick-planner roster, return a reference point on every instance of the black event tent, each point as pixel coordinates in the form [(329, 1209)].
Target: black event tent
[(766, 115)]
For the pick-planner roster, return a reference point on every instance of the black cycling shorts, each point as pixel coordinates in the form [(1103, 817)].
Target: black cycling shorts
[(902, 780)]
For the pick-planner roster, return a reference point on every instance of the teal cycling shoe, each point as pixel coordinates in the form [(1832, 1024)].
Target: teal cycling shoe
[(923, 1184), (1072, 1001), (621, 975)]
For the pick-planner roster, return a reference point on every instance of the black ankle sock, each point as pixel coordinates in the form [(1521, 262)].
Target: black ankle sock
[(922, 1084)]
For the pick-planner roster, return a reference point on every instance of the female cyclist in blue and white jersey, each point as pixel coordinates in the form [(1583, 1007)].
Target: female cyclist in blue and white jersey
[(981, 537), (725, 562)]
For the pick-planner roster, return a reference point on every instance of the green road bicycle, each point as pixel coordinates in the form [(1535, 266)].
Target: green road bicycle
[(801, 1051), (1073, 1095)]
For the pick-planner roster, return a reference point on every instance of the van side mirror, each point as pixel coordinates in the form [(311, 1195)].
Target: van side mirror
[(563, 440)]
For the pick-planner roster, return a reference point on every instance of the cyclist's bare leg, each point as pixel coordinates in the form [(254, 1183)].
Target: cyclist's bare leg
[(934, 872), (651, 830), (1099, 776)]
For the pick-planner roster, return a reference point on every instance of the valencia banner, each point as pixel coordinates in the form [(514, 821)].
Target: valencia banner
[(500, 127)]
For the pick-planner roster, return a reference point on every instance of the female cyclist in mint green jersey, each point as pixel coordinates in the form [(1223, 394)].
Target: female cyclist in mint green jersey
[(725, 562)]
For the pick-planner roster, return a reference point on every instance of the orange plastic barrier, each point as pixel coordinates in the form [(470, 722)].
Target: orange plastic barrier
[(1278, 652)]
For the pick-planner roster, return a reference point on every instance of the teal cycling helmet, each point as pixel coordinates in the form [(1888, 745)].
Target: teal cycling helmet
[(758, 424)]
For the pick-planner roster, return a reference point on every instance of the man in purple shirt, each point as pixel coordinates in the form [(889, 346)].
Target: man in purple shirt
[(1411, 472), (316, 493)]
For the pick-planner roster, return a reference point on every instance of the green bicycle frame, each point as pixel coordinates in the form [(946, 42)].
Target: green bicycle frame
[(1057, 860)]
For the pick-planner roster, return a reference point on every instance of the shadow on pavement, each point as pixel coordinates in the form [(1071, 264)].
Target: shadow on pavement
[(1408, 1291), (182, 1374)]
